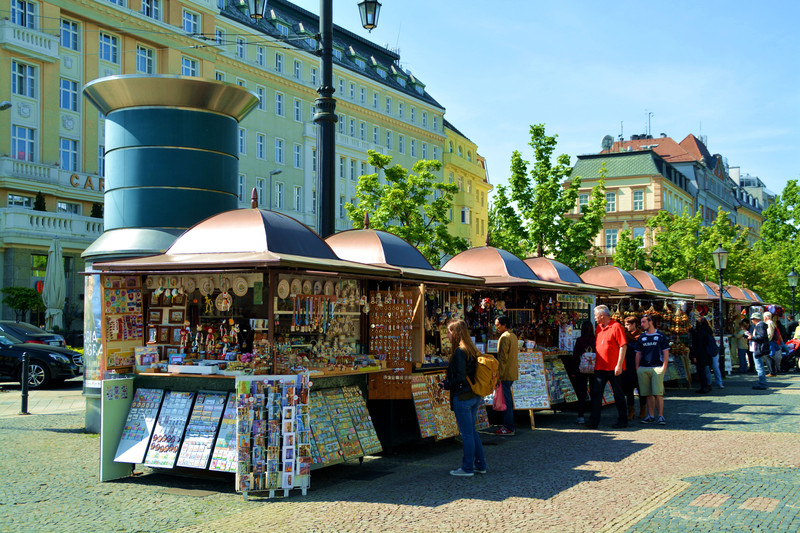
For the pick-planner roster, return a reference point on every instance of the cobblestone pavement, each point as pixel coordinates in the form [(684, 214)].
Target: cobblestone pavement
[(728, 461)]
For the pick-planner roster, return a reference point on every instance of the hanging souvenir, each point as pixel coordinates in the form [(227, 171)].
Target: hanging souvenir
[(206, 286), (283, 289), (223, 302), (239, 286), (189, 285)]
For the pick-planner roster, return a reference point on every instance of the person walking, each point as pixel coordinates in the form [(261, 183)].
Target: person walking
[(759, 345), (701, 335), (508, 357), (741, 345), (713, 353), (610, 344), (652, 358), (580, 381), (775, 355), (628, 379), (464, 402)]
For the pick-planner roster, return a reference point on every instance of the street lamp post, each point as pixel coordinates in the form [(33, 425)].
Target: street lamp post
[(792, 277), (325, 103), (721, 263)]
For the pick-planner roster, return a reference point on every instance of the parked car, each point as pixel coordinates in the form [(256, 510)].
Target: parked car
[(47, 363), (30, 333)]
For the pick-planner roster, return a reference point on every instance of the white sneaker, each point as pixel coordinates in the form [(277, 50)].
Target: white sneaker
[(461, 473)]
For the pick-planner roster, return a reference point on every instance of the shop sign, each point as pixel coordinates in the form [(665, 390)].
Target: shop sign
[(95, 183)]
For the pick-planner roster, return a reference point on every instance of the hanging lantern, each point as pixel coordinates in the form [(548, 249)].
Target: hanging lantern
[(257, 8), (369, 9)]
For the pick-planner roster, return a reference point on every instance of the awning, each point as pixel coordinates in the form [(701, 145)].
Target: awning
[(547, 269), (696, 288), (499, 268), (651, 283)]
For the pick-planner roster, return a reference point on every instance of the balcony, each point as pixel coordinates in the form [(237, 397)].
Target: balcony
[(21, 225), (28, 42), (80, 183)]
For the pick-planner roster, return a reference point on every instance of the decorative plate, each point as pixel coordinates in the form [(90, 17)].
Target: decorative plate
[(329, 288), (149, 282), (189, 285), (317, 287), (283, 289), (307, 287), (223, 301), (162, 282), (173, 281), (239, 286), (206, 286), (225, 284), (297, 286)]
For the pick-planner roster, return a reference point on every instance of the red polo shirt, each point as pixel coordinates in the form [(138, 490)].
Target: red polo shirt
[(608, 340)]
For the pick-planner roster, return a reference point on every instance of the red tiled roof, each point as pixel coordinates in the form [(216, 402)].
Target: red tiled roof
[(689, 149)]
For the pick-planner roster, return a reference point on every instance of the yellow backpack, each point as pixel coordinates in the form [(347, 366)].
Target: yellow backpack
[(487, 374)]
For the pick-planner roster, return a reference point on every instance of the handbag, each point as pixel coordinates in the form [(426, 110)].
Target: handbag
[(586, 365), (499, 400)]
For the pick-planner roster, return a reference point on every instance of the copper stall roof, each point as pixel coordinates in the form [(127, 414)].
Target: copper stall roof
[(554, 271), (698, 289), (739, 294), (614, 277), (725, 294), (752, 294), (651, 283), (498, 267), (381, 248)]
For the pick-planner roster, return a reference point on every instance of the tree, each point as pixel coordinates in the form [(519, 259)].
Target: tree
[(22, 300), (674, 252), (781, 218), (630, 253), (414, 206), (540, 224), (39, 203), (97, 210)]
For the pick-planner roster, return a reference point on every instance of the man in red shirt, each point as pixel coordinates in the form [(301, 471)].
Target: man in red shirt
[(610, 345)]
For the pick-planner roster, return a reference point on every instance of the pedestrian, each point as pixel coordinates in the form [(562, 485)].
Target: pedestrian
[(652, 358), (580, 381), (759, 345), (775, 341), (701, 335), (713, 353), (610, 345), (507, 356), (463, 402), (741, 345), (628, 379)]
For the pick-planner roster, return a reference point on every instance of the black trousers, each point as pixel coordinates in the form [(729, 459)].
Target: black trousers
[(599, 380)]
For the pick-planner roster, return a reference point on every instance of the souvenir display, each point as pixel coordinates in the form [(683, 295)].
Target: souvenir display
[(123, 323), (326, 449), (530, 390), (362, 421), (206, 414), (283, 289), (239, 286), (558, 382), (139, 426), (390, 341), (423, 405), (443, 417), (224, 457), (343, 423), (167, 437)]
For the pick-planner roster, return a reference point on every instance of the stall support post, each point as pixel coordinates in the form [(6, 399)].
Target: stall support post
[(721, 324)]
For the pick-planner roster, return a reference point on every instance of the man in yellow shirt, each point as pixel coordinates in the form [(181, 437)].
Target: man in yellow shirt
[(507, 355)]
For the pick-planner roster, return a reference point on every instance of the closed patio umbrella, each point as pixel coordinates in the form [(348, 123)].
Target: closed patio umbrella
[(55, 291)]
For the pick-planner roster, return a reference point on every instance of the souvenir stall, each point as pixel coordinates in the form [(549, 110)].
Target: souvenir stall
[(735, 307), (241, 349), (407, 319), (543, 314)]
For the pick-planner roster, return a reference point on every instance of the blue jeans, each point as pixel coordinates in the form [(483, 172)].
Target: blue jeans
[(717, 373), (742, 360), (762, 374), (508, 414), (466, 412)]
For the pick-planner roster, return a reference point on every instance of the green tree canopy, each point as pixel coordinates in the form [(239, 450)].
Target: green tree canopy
[(630, 253), (22, 300), (415, 206)]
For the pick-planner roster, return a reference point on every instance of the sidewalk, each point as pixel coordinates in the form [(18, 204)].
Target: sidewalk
[(61, 398)]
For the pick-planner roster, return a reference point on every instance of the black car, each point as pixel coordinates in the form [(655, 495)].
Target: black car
[(47, 363), (30, 333)]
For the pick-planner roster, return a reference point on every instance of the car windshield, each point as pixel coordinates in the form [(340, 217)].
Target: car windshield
[(8, 340), (29, 328)]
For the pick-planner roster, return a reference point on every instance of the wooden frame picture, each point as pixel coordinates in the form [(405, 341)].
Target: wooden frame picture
[(163, 334), (176, 316), (179, 299), (154, 299), (154, 316), (176, 335)]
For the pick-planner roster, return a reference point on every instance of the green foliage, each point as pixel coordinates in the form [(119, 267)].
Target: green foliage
[(630, 253), (39, 203), (782, 218), (22, 300), (539, 224), (97, 210), (674, 254), (414, 206)]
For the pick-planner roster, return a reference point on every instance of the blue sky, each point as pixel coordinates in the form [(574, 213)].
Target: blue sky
[(726, 70)]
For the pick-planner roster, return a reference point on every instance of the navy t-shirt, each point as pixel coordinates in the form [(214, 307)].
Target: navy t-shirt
[(651, 345)]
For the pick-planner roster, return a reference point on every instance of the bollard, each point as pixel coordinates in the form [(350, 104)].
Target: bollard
[(26, 361)]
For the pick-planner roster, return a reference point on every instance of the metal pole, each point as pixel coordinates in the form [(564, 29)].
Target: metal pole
[(721, 325), (26, 361), (793, 289), (326, 118)]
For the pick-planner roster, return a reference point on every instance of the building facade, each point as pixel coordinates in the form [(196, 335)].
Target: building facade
[(55, 141)]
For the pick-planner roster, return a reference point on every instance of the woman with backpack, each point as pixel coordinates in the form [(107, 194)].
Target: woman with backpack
[(464, 402), (699, 353)]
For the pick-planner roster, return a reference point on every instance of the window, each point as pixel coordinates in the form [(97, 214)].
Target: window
[(611, 240), (352, 127), (278, 195), (313, 160), (424, 150), (639, 232), (279, 104), (68, 207), (469, 156), (69, 95), (298, 110), (242, 141), (611, 202), (337, 54), (460, 183), (283, 29), (435, 123), (152, 9), (400, 109), (388, 105), (23, 13), (38, 265), (460, 151), (279, 151), (363, 169), (341, 87), (401, 143), (413, 148), (583, 200), (413, 114), (341, 166), (425, 119), (239, 47), (313, 201), (298, 198), (219, 36), (375, 100), (240, 189), (261, 191), (22, 143), (219, 76), (375, 134), (314, 75), (298, 69), (352, 170), (362, 131), (436, 153), (388, 140), (241, 83), (144, 60), (638, 200), (69, 35), (341, 207), (118, 2), (188, 66), (278, 62), (14, 200), (68, 154), (101, 160), (469, 186), (352, 91), (363, 95), (340, 120), (261, 146), (465, 215), (297, 155), (260, 56), (190, 21), (23, 79), (262, 98), (360, 63)]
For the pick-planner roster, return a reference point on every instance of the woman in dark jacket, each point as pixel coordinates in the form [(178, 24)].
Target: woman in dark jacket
[(698, 352), (630, 380), (580, 382), (463, 401)]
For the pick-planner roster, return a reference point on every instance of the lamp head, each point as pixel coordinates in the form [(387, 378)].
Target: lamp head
[(5, 104), (792, 277), (370, 10), (720, 258)]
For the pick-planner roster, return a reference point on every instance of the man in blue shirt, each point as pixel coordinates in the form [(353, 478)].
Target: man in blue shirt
[(652, 358)]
